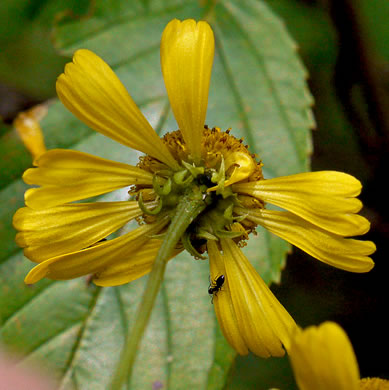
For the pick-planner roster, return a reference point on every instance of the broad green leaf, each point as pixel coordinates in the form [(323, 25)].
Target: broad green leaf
[(258, 89), (28, 61)]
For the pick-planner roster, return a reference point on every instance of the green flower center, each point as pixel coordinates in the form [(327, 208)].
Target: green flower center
[(225, 161)]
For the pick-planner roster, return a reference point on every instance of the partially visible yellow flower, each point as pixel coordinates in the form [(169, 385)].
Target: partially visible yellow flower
[(374, 384), (323, 358), (204, 175), (27, 126)]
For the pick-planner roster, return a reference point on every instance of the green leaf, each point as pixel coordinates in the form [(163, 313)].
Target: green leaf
[(373, 14), (28, 61), (258, 88)]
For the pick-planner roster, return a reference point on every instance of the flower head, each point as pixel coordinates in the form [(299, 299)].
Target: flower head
[(205, 167), (323, 358)]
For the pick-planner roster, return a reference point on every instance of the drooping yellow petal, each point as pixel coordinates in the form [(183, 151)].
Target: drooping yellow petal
[(238, 166), (63, 229), (28, 127), (187, 50), (337, 251), (94, 94), (95, 258), (263, 322), (126, 270), (222, 301), (326, 199), (68, 175), (243, 166), (323, 358)]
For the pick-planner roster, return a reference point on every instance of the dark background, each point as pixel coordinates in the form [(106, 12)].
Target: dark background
[(345, 47)]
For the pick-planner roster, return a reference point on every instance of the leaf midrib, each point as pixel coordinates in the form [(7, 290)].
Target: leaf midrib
[(272, 86), (70, 363)]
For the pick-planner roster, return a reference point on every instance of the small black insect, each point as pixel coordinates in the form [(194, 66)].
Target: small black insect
[(216, 286)]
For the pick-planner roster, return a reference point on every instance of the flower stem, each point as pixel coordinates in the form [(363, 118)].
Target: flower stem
[(189, 207)]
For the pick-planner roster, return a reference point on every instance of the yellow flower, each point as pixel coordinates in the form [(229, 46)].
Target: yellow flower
[(323, 358), (27, 126), (374, 384), (204, 168)]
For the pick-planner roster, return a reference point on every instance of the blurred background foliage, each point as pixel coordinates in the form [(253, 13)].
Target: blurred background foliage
[(344, 45)]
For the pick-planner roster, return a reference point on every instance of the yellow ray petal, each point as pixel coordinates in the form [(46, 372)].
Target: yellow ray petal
[(94, 94), (68, 175), (128, 269), (323, 358), (264, 323), (222, 301), (330, 183), (324, 198), (187, 50), (243, 167), (93, 259), (58, 230), (238, 166), (337, 251)]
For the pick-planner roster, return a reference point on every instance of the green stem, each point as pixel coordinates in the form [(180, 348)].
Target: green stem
[(189, 207)]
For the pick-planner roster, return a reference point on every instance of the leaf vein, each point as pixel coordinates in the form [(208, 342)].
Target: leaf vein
[(26, 303), (168, 332), (124, 19), (275, 90), (70, 363)]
